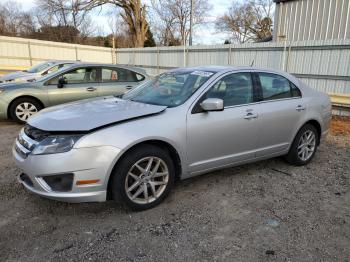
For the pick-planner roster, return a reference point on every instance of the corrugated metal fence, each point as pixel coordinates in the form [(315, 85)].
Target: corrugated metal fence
[(324, 65), (19, 52), (312, 20)]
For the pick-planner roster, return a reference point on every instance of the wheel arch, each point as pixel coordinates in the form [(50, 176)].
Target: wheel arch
[(20, 97), (155, 142)]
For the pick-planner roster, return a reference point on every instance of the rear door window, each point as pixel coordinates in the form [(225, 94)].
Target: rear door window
[(120, 75), (274, 87)]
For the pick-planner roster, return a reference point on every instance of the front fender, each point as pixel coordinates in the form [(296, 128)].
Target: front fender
[(129, 134)]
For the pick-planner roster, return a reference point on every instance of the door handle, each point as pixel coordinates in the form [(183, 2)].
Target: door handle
[(129, 87), (91, 89), (300, 108), (250, 115)]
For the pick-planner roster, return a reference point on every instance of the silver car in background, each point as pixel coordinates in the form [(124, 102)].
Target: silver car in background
[(19, 101), (181, 124), (35, 72)]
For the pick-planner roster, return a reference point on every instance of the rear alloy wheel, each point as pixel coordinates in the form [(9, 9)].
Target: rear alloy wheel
[(304, 146), (307, 145), (23, 108), (143, 178)]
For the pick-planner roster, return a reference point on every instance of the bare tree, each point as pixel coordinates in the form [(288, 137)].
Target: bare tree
[(172, 18), (120, 32), (14, 21), (248, 21), (53, 20), (64, 14), (164, 24), (133, 14)]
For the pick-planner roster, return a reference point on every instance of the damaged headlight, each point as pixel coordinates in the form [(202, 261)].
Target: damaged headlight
[(56, 144)]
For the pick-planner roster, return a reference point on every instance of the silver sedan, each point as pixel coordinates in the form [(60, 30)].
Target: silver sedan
[(178, 125)]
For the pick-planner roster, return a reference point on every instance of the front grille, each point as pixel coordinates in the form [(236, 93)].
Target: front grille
[(21, 151), (24, 145), (29, 146), (26, 179)]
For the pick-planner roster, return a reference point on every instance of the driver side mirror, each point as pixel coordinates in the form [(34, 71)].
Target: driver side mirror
[(212, 104), (61, 82)]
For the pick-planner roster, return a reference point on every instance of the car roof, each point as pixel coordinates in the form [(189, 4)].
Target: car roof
[(61, 61), (133, 68), (226, 69), (211, 68), (217, 69)]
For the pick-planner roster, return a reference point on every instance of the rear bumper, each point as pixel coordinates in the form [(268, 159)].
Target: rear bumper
[(86, 164)]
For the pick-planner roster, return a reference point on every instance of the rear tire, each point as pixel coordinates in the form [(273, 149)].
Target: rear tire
[(143, 178), (304, 146), (23, 108)]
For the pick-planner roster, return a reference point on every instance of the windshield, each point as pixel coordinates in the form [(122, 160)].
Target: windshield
[(39, 67), (169, 89)]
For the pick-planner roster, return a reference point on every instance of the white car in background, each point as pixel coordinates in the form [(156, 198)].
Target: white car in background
[(35, 71)]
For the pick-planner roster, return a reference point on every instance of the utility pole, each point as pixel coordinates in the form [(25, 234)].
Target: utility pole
[(114, 55), (191, 23)]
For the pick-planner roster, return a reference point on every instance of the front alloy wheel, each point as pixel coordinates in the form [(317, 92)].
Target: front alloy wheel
[(146, 180), (143, 177)]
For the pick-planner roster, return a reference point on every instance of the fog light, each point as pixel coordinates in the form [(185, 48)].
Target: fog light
[(60, 183), (25, 179)]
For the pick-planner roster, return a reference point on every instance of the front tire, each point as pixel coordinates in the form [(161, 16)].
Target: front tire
[(23, 108), (143, 178), (304, 146)]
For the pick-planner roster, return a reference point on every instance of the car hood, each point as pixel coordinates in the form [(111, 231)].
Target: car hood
[(91, 114), (11, 85), (16, 75)]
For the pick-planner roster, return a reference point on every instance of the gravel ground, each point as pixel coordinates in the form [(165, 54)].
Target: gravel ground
[(266, 211)]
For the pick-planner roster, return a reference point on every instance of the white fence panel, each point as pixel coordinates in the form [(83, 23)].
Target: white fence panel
[(15, 51)]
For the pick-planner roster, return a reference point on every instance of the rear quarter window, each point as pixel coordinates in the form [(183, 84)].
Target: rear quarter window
[(295, 90)]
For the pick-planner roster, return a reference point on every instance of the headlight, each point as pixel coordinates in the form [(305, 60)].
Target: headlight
[(56, 144)]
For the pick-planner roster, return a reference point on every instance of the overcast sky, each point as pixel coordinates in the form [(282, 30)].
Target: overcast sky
[(204, 34)]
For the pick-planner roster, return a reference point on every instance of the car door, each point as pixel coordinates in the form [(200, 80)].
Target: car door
[(117, 81), (80, 83), (216, 139), (281, 111)]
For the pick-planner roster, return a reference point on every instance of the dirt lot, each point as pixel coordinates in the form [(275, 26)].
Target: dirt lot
[(267, 211)]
